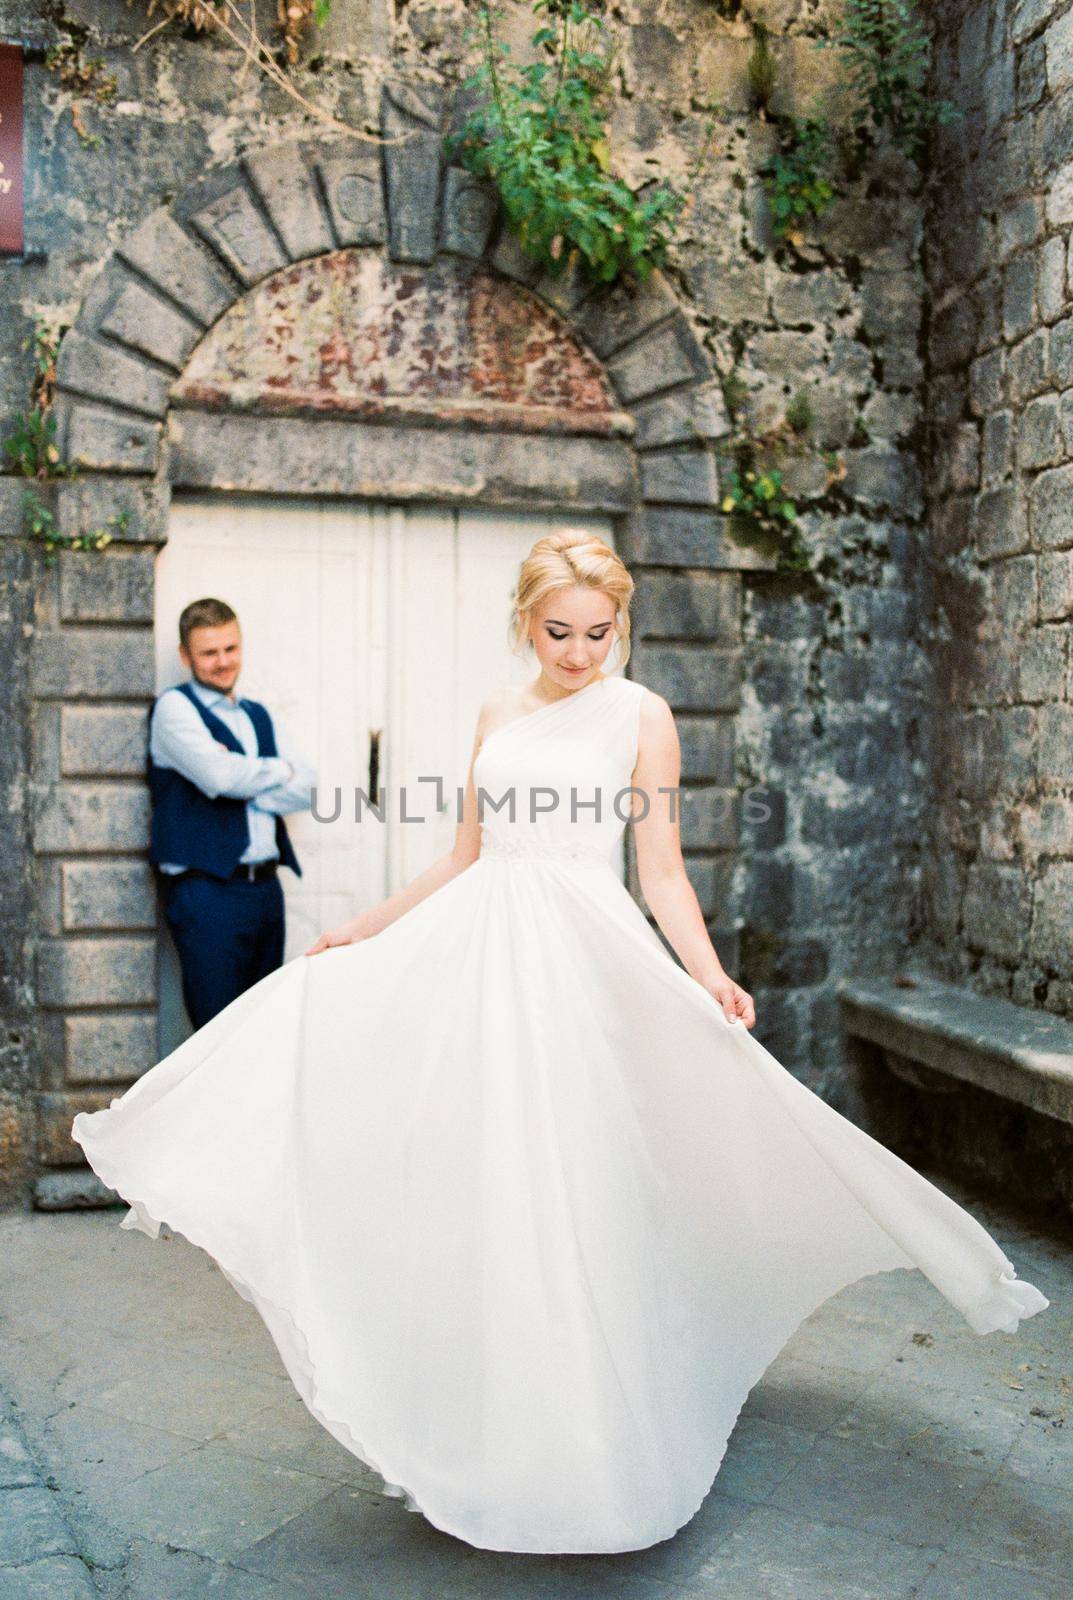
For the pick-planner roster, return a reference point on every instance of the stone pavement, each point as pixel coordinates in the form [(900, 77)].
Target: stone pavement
[(889, 1451)]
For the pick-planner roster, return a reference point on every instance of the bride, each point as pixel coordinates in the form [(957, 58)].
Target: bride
[(525, 1206)]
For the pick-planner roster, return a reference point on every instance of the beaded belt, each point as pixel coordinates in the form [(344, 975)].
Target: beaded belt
[(522, 849)]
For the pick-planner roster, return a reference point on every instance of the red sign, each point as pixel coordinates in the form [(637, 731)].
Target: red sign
[(10, 150)]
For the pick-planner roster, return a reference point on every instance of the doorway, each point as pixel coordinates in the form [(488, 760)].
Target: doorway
[(372, 632)]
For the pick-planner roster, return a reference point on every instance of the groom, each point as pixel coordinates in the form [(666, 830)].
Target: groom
[(221, 776)]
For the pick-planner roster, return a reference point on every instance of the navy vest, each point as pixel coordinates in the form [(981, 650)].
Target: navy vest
[(189, 828)]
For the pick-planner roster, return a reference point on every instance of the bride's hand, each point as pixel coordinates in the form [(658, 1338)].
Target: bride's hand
[(733, 999), (346, 933)]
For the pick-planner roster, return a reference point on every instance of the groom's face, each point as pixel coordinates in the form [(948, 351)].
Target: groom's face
[(214, 655)]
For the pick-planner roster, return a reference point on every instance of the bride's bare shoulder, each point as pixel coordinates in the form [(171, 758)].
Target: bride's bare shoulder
[(656, 719), (499, 705)]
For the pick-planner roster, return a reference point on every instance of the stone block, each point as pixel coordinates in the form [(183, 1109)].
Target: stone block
[(103, 741), (1058, 41), (884, 478), (118, 971), (685, 416), (1028, 366), (397, 461), (112, 895), (666, 355), (353, 188), (1056, 585), (709, 819), (996, 453), (77, 1190), (687, 536), (1051, 279), (109, 1048), (1060, 354), (1040, 441), (114, 585), (166, 254), (99, 439), (998, 522), (708, 748), (1019, 295), (1055, 752), (1050, 505), (616, 314), (82, 815), (1042, 665), (1028, 15), (85, 503), (712, 879), (689, 677), (287, 188), (564, 291), (1019, 224), (55, 1113), (102, 371), (686, 477), (412, 169), (688, 605), (470, 206), (510, 259), (122, 308), (1052, 917), (223, 211), (987, 382), (97, 663)]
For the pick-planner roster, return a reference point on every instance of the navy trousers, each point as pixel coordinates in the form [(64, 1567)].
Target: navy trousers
[(229, 935)]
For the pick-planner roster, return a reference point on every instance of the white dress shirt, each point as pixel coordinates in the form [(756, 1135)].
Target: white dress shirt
[(179, 738)]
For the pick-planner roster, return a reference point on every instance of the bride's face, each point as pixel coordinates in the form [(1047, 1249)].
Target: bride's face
[(572, 632)]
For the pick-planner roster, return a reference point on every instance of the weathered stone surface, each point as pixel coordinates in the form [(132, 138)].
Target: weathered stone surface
[(355, 196), (691, 678), (55, 1113), (104, 372), (122, 308), (165, 253), (998, 522), (223, 211), (107, 895), (412, 169), (692, 605), (707, 745), (396, 462), (666, 355), (683, 416), (613, 316), (102, 440), (85, 503), (1051, 508), (97, 663), (470, 205), (96, 972), (685, 536), (709, 819), (287, 189), (103, 741), (82, 815), (103, 1048), (1052, 920), (688, 477), (78, 1190), (1039, 441), (106, 586)]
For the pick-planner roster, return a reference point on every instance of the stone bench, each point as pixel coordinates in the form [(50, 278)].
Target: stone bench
[(1012, 1051)]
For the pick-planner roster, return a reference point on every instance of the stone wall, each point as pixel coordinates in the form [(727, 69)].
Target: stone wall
[(807, 688), (998, 901)]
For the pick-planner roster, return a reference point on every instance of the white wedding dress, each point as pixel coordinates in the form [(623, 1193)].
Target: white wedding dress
[(525, 1215)]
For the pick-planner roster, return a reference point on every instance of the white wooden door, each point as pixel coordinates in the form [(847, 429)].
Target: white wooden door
[(364, 627)]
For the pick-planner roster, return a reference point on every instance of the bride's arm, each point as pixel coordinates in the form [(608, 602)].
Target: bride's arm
[(462, 854), (665, 884)]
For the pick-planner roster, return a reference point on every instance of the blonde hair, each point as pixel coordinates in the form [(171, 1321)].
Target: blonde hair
[(571, 557)]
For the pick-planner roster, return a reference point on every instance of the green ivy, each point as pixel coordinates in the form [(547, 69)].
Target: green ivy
[(795, 178), (40, 524), (540, 135), (886, 50)]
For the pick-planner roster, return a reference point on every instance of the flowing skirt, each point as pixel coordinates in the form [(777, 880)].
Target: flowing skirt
[(525, 1215)]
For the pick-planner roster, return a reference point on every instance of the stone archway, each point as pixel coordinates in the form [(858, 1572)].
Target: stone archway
[(617, 410)]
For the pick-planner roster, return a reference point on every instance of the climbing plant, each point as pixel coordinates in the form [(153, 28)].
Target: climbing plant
[(539, 133), (32, 452)]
